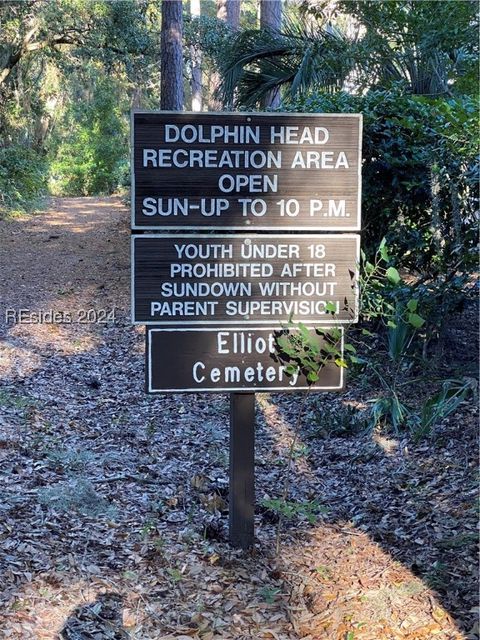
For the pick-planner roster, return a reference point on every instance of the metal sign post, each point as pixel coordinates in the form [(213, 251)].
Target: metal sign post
[(241, 507)]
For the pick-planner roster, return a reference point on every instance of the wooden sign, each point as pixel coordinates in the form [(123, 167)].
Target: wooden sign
[(218, 304), (243, 280), (245, 171), (229, 359)]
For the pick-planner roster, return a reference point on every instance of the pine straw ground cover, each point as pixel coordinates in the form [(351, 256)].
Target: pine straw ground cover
[(114, 504)]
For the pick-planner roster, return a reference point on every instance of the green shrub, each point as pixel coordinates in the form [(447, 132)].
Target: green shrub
[(420, 174), (90, 156), (23, 177), (339, 422)]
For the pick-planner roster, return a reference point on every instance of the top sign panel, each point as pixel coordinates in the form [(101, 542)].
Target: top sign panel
[(246, 171)]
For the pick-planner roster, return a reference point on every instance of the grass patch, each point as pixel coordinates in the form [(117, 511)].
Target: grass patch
[(76, 495)]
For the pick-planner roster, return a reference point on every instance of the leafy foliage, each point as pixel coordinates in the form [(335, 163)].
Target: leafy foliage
[(405, 139), (392, 354), (258, 61), (428, 46), (209, 34), (360, 45), (59, 62), (302, 350), (90, 156), (23, 176), (343, 422), (444, 403), (76, 495)]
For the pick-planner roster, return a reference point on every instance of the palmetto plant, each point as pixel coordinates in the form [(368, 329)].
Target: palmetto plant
[(295, 59), (396, 41), (413, 43)]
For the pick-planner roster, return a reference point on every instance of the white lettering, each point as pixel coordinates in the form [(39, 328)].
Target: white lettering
[(149, 155), (197, 366), (252, 183)]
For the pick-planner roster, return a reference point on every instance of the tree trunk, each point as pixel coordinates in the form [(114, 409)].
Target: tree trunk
[(271, 18), (171, 63), (136, 97), (233, 13), (271, 14), (196, 57), (456, 215), (435, 194), (228, 11)]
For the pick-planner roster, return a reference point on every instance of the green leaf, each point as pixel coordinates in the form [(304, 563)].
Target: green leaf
[(392, 275), (356, 360), (314, 347), (340, 362), (305, 333), (330, 348), (268, 594), (283, 342), (175, 574), (334, 334), (330, 307), (383, 251), (349, 347), (312, 376), (412, 305), (391, 324), (415, 320)]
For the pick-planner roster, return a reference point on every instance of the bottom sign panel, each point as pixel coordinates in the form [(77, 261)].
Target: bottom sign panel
[(230, 359)]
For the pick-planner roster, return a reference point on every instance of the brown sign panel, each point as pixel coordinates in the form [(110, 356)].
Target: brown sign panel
[(228, 359), (254, 280), (245, 171)]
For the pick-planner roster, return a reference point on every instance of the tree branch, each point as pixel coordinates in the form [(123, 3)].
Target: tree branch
[(27, 46)]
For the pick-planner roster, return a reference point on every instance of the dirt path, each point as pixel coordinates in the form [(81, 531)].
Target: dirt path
[(71, 258), (113, 512)]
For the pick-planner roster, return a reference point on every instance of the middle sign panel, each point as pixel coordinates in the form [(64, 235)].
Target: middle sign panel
[(203, 279)]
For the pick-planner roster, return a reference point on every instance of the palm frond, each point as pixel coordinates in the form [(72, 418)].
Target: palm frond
[(261, 60)]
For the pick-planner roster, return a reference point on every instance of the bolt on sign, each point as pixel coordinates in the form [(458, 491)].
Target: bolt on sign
[(246, 171), (230, 359), (205, 279)]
